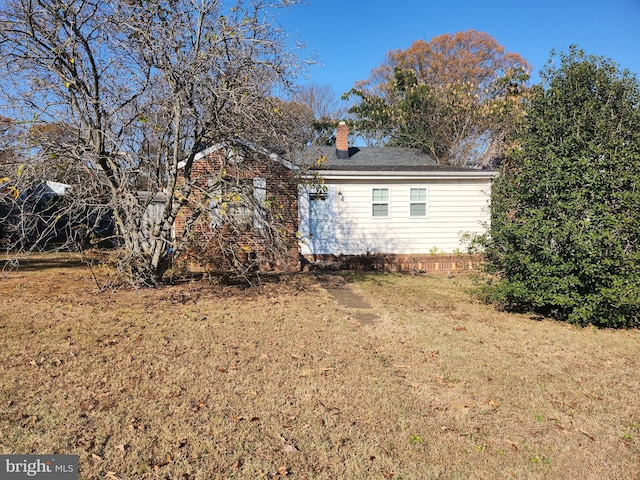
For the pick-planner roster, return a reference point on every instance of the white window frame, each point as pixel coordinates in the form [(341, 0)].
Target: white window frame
[(375, 202), (248, 209), (260, 208), (424, 202), (239, 199)]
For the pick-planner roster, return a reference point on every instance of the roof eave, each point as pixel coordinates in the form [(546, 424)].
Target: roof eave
[(404, 174), (214, 148)]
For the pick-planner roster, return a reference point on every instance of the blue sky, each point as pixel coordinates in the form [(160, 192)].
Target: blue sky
[(352, 37)]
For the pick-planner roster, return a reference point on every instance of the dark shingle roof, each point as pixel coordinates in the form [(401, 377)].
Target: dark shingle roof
[(371, 159)]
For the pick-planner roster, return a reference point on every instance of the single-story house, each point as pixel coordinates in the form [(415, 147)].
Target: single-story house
[(395, 203)]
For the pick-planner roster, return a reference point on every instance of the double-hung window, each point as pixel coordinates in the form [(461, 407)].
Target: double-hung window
[(380, 202), (239, 202), (418, 202)]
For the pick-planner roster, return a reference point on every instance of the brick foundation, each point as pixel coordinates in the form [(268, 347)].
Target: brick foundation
[(444, 263)]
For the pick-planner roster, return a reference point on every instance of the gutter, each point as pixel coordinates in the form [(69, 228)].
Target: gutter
[(404, 175)]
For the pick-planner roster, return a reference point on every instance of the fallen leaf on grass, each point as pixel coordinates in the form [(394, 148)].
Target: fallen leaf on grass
[(461, 405), (289, 448), (513, 445), (283, 471), (433, 355), (591, 437), (96, 457), (459, 329), (199, 406)]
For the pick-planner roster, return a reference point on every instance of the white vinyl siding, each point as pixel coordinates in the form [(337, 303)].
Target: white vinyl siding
[(453, 208)]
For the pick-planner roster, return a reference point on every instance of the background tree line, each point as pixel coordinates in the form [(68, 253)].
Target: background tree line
[(455, 97)]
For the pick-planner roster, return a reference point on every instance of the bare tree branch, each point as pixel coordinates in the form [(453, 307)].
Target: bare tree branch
[(131, 91)]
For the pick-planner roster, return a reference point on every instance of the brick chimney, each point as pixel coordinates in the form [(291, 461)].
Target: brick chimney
[(342, 140)]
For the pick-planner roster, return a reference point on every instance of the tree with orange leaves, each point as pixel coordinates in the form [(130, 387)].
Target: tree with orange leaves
[(455, 97)]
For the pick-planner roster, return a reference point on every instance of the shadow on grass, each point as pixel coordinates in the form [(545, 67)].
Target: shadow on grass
[(43, 262), (40, 262), (227, 279), (378, 278)]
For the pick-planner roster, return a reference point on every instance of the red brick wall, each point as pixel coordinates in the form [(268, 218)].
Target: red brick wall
[(282, 194)]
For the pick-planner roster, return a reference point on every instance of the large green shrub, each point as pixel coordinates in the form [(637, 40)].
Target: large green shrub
[(565, 219)]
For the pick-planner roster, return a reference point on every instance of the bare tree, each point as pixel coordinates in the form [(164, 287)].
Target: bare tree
[(321, 99), (7, 142), (142, 86), (327, 107)]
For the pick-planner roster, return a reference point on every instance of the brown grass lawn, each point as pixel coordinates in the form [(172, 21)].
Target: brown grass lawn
[(285, 380)]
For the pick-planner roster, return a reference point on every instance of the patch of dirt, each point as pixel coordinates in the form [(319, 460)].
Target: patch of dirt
[(348, 298), (366, 318), (345, 297)]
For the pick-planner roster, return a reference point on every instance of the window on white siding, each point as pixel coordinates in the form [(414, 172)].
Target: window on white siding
[(418, 202), (380, 202)]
